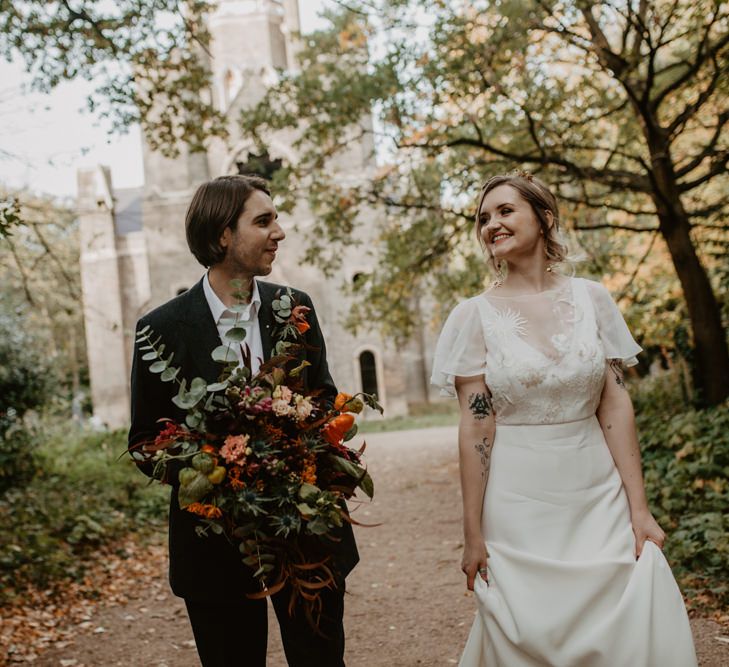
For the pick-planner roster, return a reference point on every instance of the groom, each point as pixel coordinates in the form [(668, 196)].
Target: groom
[(232, 230)]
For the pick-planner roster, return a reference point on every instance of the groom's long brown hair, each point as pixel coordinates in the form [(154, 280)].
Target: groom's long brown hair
[(215, 206)]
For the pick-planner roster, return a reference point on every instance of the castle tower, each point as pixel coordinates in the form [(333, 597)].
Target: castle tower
[(101, 289)]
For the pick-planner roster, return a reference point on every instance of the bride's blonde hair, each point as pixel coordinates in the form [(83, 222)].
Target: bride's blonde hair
[(542, 200)]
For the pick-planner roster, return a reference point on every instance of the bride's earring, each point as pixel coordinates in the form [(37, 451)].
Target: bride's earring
[(499, 275)]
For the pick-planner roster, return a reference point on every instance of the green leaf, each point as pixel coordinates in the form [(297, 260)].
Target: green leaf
[(218, 386), (367, 485), (351, 433), (149, 356), (236, 334), (169, 374), (239, 308), (158, 366), (305, 509), (308, 490), (143, 331), (193, 420), (224, 354)]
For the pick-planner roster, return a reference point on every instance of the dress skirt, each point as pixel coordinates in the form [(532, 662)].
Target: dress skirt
[(565, 589)]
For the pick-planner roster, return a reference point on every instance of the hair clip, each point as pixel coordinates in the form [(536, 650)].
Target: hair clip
[(523, 173)]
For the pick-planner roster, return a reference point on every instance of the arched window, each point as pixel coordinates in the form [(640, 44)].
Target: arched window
[(368, 373)]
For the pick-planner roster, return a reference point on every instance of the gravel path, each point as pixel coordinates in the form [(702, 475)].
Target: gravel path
[(407, 603)]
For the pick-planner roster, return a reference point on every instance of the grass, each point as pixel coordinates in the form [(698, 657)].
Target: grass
[(422, 415)]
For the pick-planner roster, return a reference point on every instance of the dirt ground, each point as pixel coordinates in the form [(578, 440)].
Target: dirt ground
[(407, 603)]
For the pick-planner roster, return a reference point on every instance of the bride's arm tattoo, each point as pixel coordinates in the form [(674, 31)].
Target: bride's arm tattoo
[(480, 405), (616, 366), (484, 450)]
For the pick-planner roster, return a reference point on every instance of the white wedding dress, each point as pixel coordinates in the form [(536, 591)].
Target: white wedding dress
[(565, 589)]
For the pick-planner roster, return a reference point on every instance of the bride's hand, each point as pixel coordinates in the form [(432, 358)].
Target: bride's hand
[(645, 527), (475, 558)]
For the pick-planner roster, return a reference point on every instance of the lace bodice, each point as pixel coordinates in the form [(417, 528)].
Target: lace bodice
[(543, 355)]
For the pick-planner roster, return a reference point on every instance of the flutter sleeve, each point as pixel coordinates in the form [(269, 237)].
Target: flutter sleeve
[(461, 348), (615, 336)]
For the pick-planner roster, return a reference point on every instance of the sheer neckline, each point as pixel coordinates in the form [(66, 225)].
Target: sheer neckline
[(489, 292)]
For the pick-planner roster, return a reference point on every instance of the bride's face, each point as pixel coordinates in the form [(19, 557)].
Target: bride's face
[(509, 227)]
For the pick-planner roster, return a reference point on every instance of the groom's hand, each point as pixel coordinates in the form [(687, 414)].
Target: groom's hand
[(474, 562)]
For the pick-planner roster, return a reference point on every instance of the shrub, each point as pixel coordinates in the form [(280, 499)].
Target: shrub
[(83, 494), (686, 463), (25, 381)]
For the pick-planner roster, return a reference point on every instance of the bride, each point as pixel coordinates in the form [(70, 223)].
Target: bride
[(561, 549)]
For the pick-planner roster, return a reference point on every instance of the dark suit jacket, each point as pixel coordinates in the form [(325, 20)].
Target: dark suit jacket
[(210, 568)]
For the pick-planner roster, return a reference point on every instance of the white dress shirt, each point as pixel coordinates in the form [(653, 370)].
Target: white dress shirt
[(247, 320)]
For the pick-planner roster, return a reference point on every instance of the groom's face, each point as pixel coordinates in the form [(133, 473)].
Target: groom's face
[(250, 248)]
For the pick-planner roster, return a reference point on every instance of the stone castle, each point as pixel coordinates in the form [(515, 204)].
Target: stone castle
[(133, 250)]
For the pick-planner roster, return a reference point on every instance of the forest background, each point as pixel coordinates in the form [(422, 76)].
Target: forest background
[(622, 106)]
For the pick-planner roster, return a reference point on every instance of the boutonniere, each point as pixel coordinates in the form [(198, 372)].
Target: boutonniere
[(291, 318)]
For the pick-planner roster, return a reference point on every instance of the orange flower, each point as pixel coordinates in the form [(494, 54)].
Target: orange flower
[(204, 510), (341, 400), (209, 449), (337, 428), (298, 315), (308, 476), (234, 478)]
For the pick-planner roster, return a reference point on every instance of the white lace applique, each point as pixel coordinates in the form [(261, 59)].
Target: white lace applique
[(533, 377), (561, 342), (504, 323)]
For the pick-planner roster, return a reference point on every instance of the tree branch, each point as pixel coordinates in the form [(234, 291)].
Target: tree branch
[(708, 149), (628, 282), (690, 109), (701, 56), (718, 166), (607, 225)]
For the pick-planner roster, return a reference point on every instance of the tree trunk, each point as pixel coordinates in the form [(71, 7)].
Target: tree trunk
[(712, 353)]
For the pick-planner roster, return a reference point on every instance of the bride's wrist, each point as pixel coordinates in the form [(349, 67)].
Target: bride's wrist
[(640, 512)]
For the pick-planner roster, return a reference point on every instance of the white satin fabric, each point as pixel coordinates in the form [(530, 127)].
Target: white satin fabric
[(564, 587)]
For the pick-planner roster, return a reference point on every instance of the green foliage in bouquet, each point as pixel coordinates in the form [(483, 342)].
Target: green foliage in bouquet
[(260, 459)]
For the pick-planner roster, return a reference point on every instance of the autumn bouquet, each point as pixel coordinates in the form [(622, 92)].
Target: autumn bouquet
[(259, 459)]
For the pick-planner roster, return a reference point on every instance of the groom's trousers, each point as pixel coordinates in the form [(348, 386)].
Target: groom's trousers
[(235, 634)]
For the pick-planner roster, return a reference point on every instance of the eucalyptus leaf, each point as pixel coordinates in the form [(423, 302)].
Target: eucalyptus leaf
[(218, 386), (158, 366), (169, 374), (224, 354), (198, 384), (149, 356), (236, 334), (193, 420), (184, 400)]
